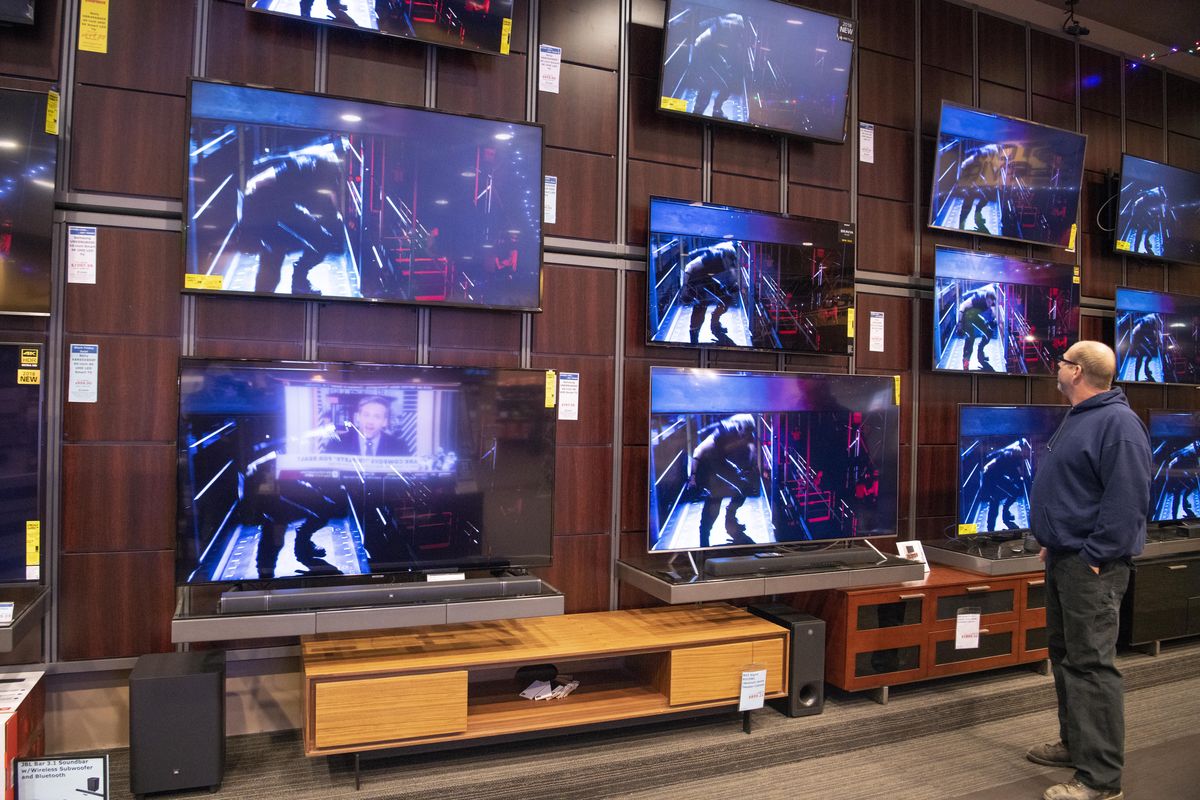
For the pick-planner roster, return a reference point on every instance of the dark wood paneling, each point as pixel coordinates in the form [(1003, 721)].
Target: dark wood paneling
[(581, 570), (587, 195), (937, 414), (1184, 278), (580, 311), (635, 401), (1000, 390), (1096, 192), (262, 49), (887, 26), (809, 201), (361, 332), (137, 391), (1053, 112), (885, 236), (646, 41), (245, 327), (938, 85), (1143, 94), (1183, 105), (819, 164), (142, 32), (1098, 329), (662, 180), (1103, 150), (451, 357), (1045, 391), (31, 51), (936, 491), (375, 67), (931, 238), (1183, 151), (520, 27), (474, 329), (1002, 99), (145, 159), (583, 114), (582, 490), (1143, 398), (478, 83), (891, 175), (588, 33), (897, 332), (595, 423), (1144, 274), (741, 359), (635, 328), (946, 34), (1144, 141), (1099, 80), (115, 605), (735, 190), (115, 498), (1184, 398), (811, 362), (1001, 51), (658, 137), (743, 152), (1101, 269), (885, 89), (1052, 65), (635, 487), (136, 289)]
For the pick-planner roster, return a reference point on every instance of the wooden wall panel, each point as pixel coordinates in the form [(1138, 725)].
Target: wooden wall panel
[(885, 236), (946, 34), (478, 83), (1143, 94), (735, 190), (647, 178), (148, 160), (1144, 141), (657, 137), (367, 332), (635, 488), (118, 497), (136, 289), (1001, 51), (885, 89), (115, 605), (32, 51), (262, 49), (938, 85), (1103, 150), (741, 359), (249, 327), (1052, 65), (588, 33), (745, 152), (595, 423), (583, 114), (581, 570), (819, 164), (1101, 269), (1183, 105), (940, 395), (936, 495), (645, 39), (1002, 99), (375, 67), (1183, 151), (142, 32), (635, 329), (897, 332), (809, 201), (469, 328), (586, 206), (1000, 390), (1099, 81), (1184, 278), (582, 490), (1144, 274), (1053, 112), (138, 395), (580, 306), (891, 174), (887, 27)]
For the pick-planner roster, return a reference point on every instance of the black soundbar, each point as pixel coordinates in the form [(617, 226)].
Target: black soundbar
[(239, 602), (764, 563)]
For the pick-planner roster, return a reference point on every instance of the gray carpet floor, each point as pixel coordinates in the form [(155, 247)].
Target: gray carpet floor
[(953, 739)]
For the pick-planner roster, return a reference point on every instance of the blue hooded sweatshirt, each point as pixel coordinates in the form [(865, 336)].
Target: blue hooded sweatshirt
[(1091, 492)]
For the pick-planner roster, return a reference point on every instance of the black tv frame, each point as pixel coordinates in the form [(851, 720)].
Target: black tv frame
[(1116, 213), (1116, 337)]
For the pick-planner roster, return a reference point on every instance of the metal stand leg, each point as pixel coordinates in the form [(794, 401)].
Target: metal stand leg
[(357, 778), (880, 695), (746, 722), (692, 561)]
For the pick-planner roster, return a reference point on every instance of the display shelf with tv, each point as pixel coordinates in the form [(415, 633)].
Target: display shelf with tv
[(754, 459), (1002, 314), (21, 501), (1006, 178), (28, 157), (1158, 211), (481, 25), (296, 470), (760, 63), (733, 278), (313, 195), (1158, 337)]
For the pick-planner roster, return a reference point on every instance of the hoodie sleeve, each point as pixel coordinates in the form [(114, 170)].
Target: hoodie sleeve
[(1125, 473)]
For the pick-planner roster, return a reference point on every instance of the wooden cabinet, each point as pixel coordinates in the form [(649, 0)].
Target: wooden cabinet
[(448, 683), (1163, 600), (882, 636)]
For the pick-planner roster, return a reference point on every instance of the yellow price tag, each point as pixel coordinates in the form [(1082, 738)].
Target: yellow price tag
[(967, 529), (93, 26), (850, 322), (52, 113), (33, 542), (195, 280), (505, 36), (1123, 246), (214, 282), (29, 377), (673, 104), (551, 388), (1071, 243), (896, 378), (29, 357)]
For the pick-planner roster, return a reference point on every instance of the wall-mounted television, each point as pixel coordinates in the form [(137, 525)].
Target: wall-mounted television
[(1007, 178), (730, 277), (1175, 456), (20, 462), (1158, 337), (761, 63), (1158, 211), (1002, 314), (998, 452), (312, 195), (746, 459), (28, 157), (481, 25), (16, 11), (295, 470)]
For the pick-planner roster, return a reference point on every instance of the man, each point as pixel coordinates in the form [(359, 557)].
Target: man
[(1089, 505), (710, 278), (367, 435), (719, 63), (1004, 481), (977, 320), (982, 178), (1145, 344), (723, 465)]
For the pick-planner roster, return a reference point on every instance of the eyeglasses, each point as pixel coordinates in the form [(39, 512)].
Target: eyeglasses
[(1069, 361)]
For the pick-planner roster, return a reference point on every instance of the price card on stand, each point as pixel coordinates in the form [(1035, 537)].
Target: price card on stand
[(966, 628)]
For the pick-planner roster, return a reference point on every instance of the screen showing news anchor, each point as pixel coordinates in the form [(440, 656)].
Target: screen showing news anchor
[(1158, 337), (1159, 214)]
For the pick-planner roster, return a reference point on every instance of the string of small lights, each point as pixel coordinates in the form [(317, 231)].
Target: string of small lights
[(1195, 47)]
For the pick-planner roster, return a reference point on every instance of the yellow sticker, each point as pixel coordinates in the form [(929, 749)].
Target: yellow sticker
[(850, 323), (33, 542), (198, 280), (214, 282), (93, 26), (673, 104), (551, 388), (896, 378), (52, 113), (29, 356), (29, 377), (1123, 246), (1071, 243), (505, 36), (967, 529)]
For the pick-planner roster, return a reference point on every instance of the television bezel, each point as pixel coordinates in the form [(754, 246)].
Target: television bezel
[(1120, 205), (187, 227), (749, 349), (49, 265), (799, 543), (362, 578), (41, 462), (1116, 334), (1023, 121), (727, 123)]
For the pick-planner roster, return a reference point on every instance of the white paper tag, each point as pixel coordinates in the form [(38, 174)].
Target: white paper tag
[(441, 577), (550, 200), (866, 143), (81, 254), (6, 613), (966, 629), (549, 66), (84, 376), (754, 688), (876, 342), (568, 395)]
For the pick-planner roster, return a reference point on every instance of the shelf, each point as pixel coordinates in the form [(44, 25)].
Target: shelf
[(29, 605), (998, 559)]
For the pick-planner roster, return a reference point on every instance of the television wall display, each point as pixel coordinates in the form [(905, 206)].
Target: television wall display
[(20, 462), (483, 25), (730, 277), (743, 459), (28, 157), (998, 452), (308, 470), (1175, 455), (1005, 177), (1002, 314), (761, 63), (1159, 211), (17, 11), (1158, 337), (301, 194)]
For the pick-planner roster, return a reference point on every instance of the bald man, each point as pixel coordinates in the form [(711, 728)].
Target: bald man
[(1088, 509)]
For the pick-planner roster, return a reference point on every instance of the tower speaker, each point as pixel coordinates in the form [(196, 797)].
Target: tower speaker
[(806, 661), (177, 722)]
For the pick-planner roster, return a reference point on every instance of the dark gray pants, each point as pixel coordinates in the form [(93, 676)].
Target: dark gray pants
[(1082, 617)]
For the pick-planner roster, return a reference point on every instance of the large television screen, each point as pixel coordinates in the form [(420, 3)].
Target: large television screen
[(743, 459), (762, 63), (998, 452), (730, 277), (1175, 454), (28, 156), (18, 11), (1158, 337), (483, 25), (308, 470), (311, 195), (1159, 211), (1006, 178), (1002, 314), (20, 462)]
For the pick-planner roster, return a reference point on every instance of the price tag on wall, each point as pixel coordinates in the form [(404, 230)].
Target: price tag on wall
[(83, 380), (549, 66), (568, 396), (550, 200), (81, 254)]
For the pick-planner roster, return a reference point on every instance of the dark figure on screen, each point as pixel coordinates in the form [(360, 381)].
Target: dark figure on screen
[(977, 320), (982, 177), (1150, 213), (709, 278), (334, 6), (274, 504), (723, 466), (718, 62), (1145, 344), (1005, 480), (1183, 472)]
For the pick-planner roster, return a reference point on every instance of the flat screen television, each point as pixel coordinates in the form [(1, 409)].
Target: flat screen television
[(28, 157), (1002, 314), (1006, 178), (730, 277), (16, 11), (20, 462), (312, 195), (1158, 337), (1158, 211), (761, 63), (292, 470), (745, 459), (1175, 459), (481, 25), (998, 452)]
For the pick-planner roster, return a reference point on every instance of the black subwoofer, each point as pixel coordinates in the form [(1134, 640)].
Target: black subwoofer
[(806, 661)]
